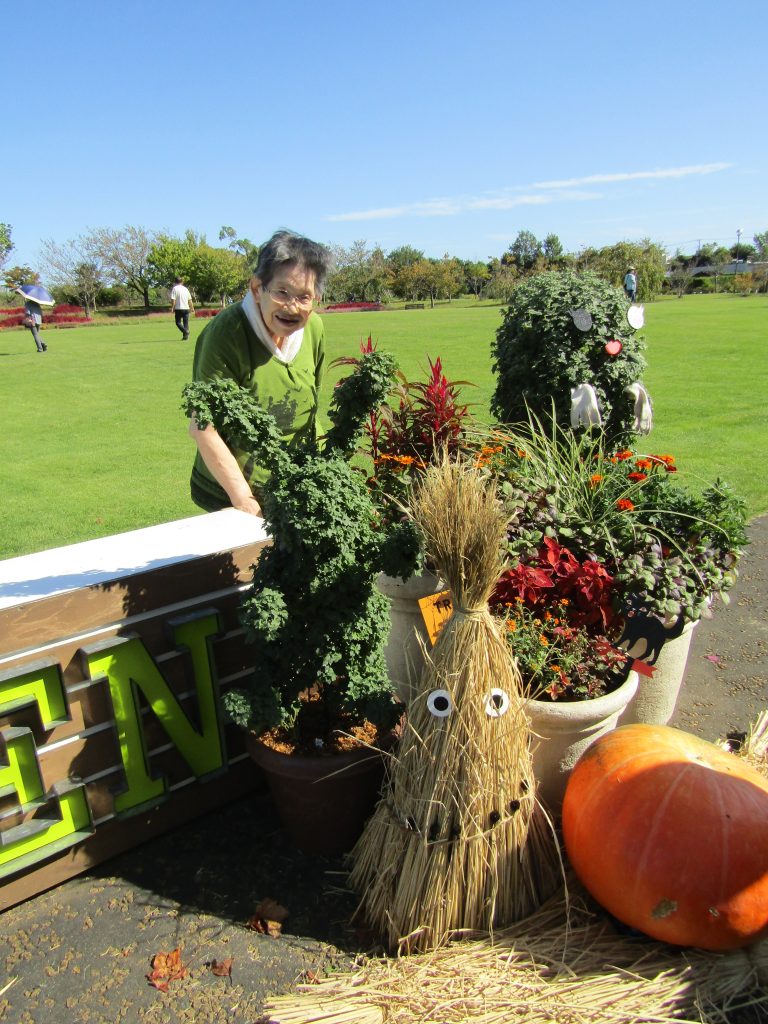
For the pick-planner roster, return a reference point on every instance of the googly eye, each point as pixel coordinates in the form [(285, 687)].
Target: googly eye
[(439, 703), (496, 704)]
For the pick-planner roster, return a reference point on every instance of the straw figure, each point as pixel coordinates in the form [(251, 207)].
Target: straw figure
[(458, 841)]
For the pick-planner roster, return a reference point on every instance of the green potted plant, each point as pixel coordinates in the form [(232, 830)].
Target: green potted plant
[(609, 553), (313, 614)]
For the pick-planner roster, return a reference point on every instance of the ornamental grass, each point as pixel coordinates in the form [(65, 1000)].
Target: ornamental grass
[(458, 842)]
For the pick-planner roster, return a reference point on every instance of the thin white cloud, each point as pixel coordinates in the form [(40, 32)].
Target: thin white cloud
[(667, 172), (506, 199), (450, 207)]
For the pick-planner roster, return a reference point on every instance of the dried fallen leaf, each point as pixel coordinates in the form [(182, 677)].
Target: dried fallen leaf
[(166, 967), (222, 968), (268, 917)]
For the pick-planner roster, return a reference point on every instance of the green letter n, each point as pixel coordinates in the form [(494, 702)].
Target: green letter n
[(129, 668)]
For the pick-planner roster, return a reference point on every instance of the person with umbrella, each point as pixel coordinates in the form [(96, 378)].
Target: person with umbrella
[(34, 298)]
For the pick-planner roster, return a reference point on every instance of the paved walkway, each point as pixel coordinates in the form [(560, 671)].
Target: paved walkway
[(81, 952)]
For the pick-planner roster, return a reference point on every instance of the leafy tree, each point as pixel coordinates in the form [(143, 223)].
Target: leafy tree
[(502, 281), (761, 246), (475, 276), (426, 280), (400, 262), (124, 256), (17, 276), (171, 257), (524, 251), (449, 276), (5, 242), (611, 262), (360, 275), (744, 252), (218, 274), (248, 249), (553, 250), (403, 256)]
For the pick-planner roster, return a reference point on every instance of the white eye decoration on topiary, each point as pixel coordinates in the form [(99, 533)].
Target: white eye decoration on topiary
[(497, 703), (636, 316), (439, 703), (582, 318)]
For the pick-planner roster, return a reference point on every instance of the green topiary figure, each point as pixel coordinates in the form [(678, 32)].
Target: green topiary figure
[(313, 614), (566, 345)]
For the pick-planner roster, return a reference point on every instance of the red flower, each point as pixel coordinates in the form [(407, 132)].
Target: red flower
[(638, 476), (625, 505)]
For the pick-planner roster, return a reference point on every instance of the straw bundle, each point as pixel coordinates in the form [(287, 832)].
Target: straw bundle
[(458, 841), (561, 966)]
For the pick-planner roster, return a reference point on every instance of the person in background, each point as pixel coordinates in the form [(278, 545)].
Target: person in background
[(33, 319), (181, 304), (630, 284), (273, 344)]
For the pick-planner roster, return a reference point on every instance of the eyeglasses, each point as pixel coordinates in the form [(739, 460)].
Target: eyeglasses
[(284, 298)]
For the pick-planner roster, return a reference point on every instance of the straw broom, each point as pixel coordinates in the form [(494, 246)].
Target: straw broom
[(458, 841)]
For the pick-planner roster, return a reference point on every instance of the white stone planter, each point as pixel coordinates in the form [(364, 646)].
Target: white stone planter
[(656, 697), (562, 731), (404, 651)]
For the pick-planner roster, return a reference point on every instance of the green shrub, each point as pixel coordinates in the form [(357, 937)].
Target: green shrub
[(540, 354)]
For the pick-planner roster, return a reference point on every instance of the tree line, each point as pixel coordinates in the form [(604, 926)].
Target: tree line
[(107, 266)]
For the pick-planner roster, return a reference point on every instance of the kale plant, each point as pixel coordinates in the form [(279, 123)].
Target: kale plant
[(313, 614)]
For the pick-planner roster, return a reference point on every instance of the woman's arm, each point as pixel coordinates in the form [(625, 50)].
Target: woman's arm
[(224, 468)]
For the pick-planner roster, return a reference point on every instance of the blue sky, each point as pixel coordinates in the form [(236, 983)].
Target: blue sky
[(448, 126)]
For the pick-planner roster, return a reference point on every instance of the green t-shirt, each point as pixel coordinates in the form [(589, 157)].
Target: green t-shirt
[(229, 348)]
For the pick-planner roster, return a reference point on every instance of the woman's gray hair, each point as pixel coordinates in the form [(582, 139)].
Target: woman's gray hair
[(286, 248)]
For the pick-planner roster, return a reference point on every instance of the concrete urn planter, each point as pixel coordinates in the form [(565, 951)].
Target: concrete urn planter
[(656, 697), (404, 652), (562, 731)]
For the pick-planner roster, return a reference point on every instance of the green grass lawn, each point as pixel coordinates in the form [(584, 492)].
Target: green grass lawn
[(95, 442)]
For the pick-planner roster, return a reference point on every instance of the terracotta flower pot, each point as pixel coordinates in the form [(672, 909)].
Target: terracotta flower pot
[(323, 802), (563, 730), (404, 653)]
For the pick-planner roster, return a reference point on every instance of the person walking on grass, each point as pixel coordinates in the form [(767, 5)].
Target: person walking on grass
[(181, 304), (33, 318), (630, 284)]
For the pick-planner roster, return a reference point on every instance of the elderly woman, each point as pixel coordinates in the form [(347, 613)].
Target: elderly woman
[(273, 344)]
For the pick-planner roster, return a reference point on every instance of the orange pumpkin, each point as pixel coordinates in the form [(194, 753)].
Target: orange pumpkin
[(670, 834)]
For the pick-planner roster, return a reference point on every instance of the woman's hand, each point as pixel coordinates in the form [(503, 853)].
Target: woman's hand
[(249, 505)]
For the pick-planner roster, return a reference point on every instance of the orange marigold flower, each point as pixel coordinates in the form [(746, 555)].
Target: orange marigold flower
[(643, 463), (543, 641), (638, 476), (623, 455), (511, 625), (595, 479), (624, 505)]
